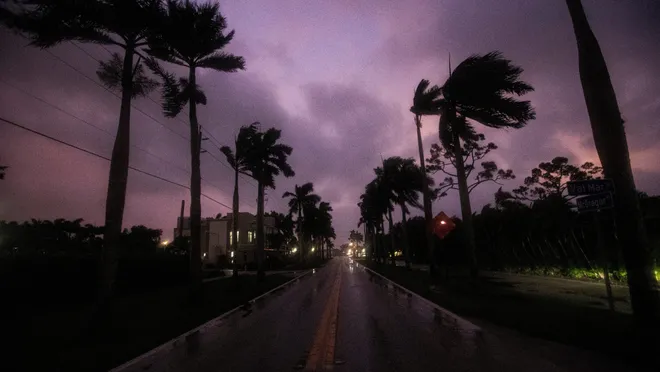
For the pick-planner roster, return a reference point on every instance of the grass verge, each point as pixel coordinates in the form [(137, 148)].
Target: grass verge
[(532, 314), (56, 340)]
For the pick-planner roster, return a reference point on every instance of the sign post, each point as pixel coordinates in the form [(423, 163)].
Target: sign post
[(597, 195)]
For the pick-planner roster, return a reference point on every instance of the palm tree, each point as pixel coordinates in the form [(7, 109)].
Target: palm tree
[(612, 146), (480, 89), (369, 220), (238, 161), (405, 180), (301, 197), (311, 226), (326, 231), (425, 102), (193, 36), (383, 196), (378, 204), (121, 23), (266, 159)]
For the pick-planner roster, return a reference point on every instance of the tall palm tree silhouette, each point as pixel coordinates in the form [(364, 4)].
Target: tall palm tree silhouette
[(301, 197), (238, 160), (481, 89), (267, 158), (126, 24), (425, 102), (193, 36)]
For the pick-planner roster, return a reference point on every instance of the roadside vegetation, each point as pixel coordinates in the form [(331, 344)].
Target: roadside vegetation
[(533, 228)]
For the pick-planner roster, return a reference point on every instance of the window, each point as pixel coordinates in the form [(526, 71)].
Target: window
[(250, 236), (231, 237)]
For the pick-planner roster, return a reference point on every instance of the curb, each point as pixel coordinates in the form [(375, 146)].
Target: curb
[(209, 323), (457, 319)]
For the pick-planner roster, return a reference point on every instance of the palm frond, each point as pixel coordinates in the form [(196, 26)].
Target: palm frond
[(445, 131), (229, 155), (110, 74), (193, 34), (425, 99), (480, 89), (171, 96), (224, 62)]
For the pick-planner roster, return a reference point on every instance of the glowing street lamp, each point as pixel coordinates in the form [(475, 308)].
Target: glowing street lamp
[(164, 243)]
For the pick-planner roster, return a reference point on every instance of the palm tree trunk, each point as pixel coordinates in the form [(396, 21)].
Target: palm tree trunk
[(301, 238), (466, 208), (612, 147), (234, 225), (428, 207), (116, 194), (372, 244), (261, 275), (382, 254), (404, 235), (391, 229), (195, 198)]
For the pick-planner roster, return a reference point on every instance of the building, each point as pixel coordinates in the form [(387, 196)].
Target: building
[(216, 237)]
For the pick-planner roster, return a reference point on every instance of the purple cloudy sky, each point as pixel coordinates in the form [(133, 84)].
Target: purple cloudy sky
[(337, 77)]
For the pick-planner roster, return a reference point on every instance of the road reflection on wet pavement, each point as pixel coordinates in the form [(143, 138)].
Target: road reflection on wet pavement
[(379, 327)]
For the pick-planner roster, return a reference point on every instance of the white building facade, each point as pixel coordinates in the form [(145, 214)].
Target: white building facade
[(216, 238)]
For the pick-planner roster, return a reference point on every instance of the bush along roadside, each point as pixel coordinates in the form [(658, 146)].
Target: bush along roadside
[(595, 274)]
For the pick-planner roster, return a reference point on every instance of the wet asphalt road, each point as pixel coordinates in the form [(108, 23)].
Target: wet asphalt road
[(344, 314)]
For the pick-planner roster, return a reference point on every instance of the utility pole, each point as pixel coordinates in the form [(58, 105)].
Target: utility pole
[(183, 204)]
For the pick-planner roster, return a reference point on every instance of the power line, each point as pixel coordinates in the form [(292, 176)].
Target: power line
[(89, 124), (107, 132), (103, 130), (105, 158), (114, 94), (218, 143), (99, 61)]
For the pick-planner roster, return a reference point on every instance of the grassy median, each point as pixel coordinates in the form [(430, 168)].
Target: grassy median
[(55, 340), (531, 313)]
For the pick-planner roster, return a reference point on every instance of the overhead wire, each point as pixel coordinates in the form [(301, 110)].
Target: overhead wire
[(89, 152), (218, 144)]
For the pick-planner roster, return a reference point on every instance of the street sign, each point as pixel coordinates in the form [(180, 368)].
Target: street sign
[(595, 202), (442, 225), (589, 187)]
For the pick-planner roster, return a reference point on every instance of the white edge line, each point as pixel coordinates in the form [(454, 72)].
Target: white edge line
[(465, 323), (208, 323)]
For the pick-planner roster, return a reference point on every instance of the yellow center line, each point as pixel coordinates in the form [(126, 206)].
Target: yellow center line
[(322, 352)]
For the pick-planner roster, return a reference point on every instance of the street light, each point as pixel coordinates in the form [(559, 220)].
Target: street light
[(164, 243), (313, 249)]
